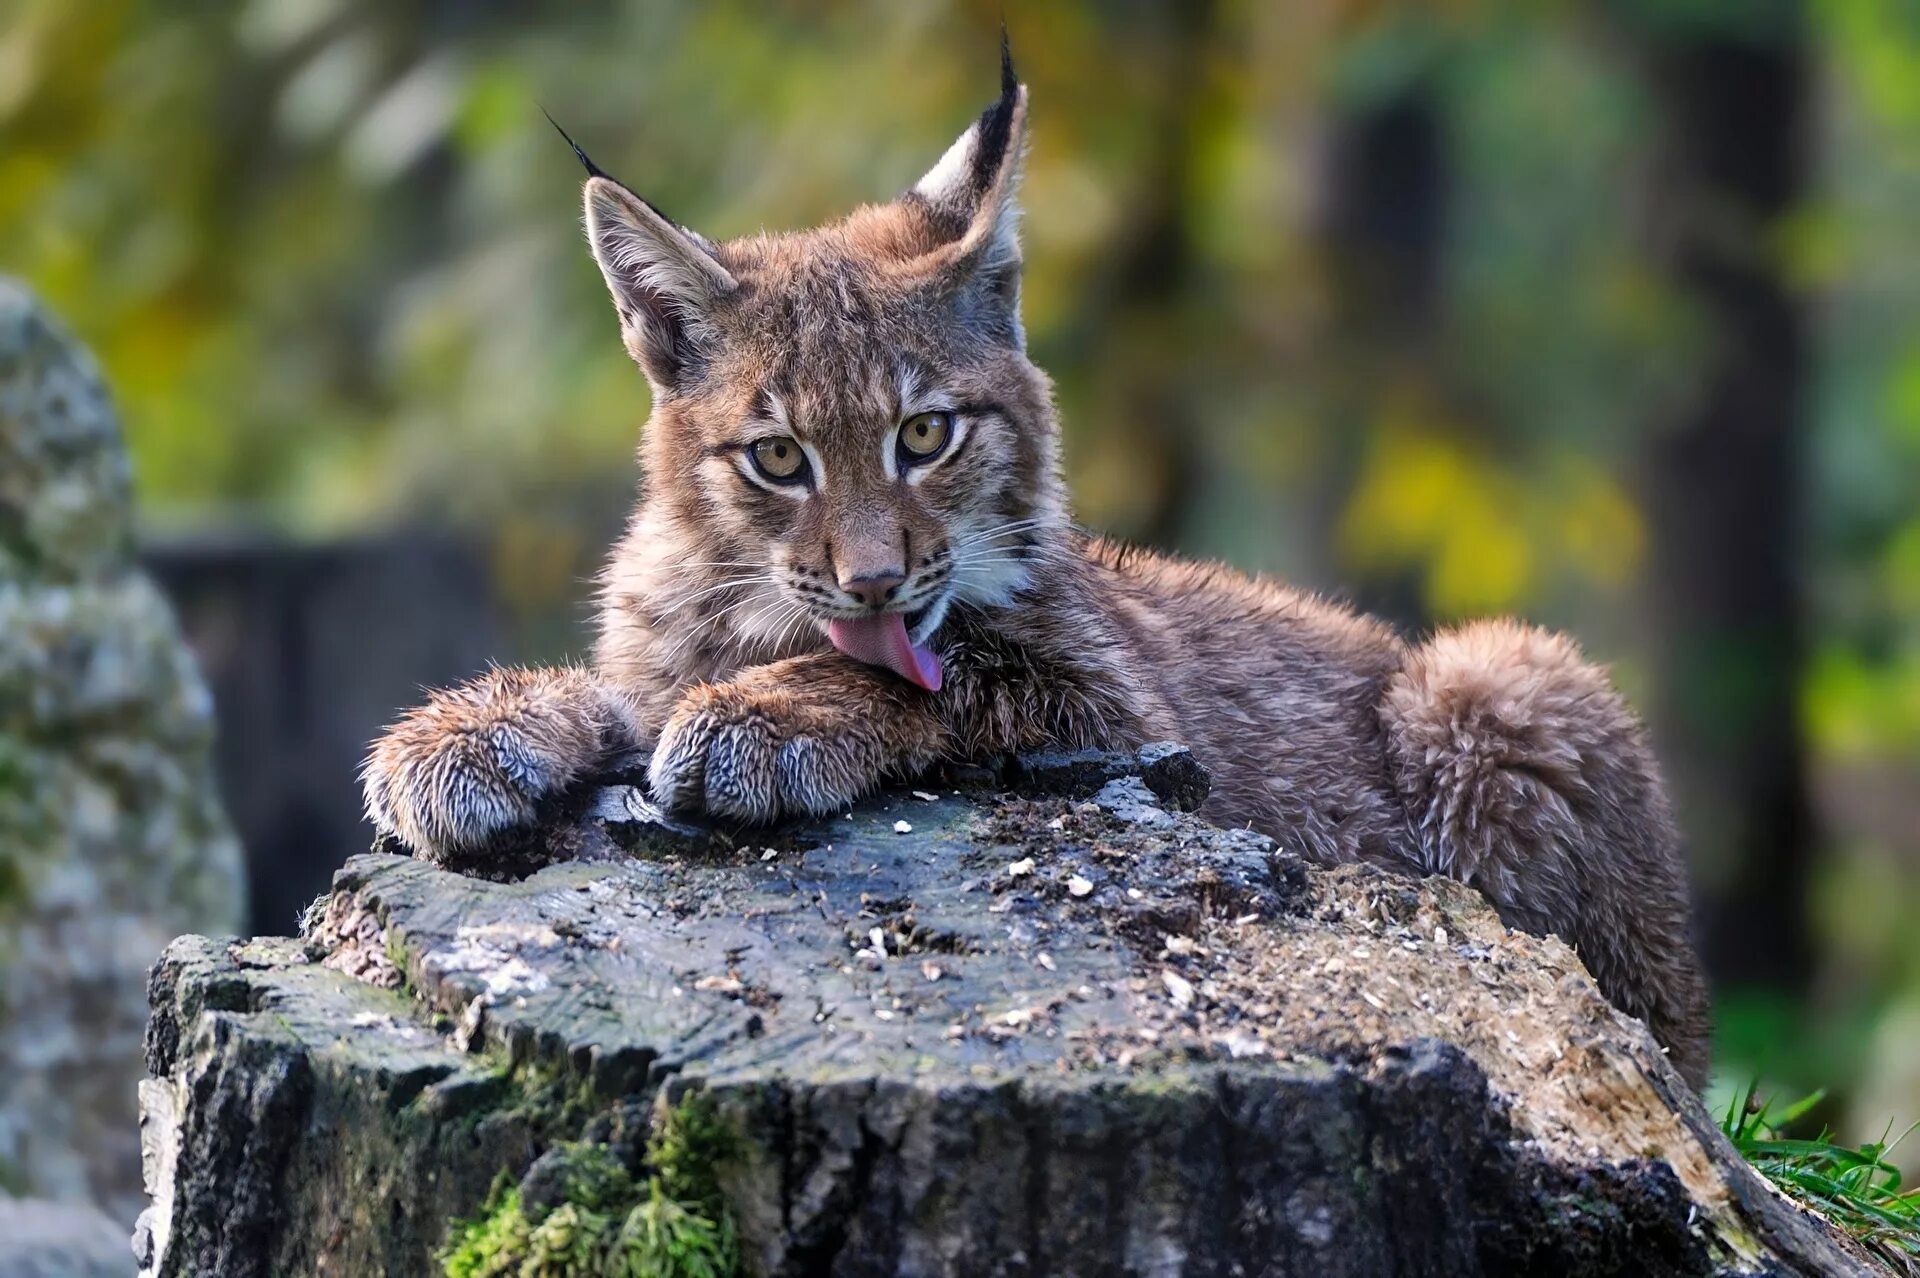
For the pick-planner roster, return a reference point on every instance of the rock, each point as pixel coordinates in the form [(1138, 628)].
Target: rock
[(41, 1239), (1059, 1030), (111, 835)]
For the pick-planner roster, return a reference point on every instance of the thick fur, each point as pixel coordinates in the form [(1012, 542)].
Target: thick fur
[(1491, 753)]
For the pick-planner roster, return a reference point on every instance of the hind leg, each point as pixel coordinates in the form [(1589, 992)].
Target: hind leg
[(1526, 776)]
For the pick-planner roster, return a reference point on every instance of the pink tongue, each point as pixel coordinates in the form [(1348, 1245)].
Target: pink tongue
[(882, 641)]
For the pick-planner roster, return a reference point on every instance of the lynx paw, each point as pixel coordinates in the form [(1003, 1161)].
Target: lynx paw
[(754, 755), (476, 760)]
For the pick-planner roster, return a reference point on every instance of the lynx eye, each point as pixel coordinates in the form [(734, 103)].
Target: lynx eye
[(779, 458), (924, 435)]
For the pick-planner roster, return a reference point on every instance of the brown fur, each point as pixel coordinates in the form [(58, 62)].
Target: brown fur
[(1492, 753)]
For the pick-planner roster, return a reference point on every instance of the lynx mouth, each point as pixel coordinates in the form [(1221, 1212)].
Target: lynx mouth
[(885, 639)]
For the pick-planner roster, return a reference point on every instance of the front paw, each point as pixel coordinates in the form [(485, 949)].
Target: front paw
[(758, 755), (476, 762)]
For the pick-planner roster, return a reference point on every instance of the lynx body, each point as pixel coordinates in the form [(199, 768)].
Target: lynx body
[(853, 557)]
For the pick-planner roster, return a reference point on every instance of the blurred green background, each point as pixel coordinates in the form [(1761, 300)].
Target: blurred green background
[(1605, 313)]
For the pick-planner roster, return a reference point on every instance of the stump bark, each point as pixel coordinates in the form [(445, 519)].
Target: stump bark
[(1034, 1020)]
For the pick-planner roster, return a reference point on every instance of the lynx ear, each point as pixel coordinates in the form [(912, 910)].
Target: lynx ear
[(664, 279), (972, 195)]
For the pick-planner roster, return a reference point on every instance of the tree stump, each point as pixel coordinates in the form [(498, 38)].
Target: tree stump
[(1028, 1020)]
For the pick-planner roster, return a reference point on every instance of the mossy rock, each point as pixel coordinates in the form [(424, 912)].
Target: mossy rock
[(112, 835), (1037, 1020)]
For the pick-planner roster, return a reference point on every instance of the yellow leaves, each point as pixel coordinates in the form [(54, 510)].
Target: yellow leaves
[(1483, 532)]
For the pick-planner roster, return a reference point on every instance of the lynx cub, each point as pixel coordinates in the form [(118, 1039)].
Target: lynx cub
[(853, 557)]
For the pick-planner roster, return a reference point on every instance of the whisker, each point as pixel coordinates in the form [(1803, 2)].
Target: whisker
[(732, 584), (795, 627), (1012, 555), (705, 624), (997, 541), (1029, 522)]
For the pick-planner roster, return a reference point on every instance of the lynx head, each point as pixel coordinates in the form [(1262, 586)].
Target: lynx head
[(845, 418)]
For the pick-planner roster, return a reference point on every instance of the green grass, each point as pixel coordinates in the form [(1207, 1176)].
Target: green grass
[(1855, 1187)]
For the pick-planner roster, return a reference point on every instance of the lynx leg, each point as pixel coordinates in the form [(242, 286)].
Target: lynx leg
[(476, 759), (1526, 776), (802, 736)]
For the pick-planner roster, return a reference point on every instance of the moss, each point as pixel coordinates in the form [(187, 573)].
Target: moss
[(493, 1244), (663, 1238), (555, 1098), (572, 1242), (690, 1142), (584, 1175), (579, 1213), (398, 956)]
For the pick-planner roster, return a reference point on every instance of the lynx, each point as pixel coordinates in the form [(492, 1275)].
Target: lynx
[(852, 558)]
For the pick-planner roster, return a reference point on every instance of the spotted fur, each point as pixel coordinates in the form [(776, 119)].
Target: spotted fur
[(1492, 753)]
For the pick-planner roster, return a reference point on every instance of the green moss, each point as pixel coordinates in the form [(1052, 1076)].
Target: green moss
[(689, 1143), (672, 1224), (493, 1244), (663, 1238), (572, 1242), (398, 956)]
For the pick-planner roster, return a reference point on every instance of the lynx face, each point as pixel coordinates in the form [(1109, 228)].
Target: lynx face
[(846, 424)]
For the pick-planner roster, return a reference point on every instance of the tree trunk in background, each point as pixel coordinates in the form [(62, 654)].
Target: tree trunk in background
[(1152, 287), (311, 651), (1723, 490), (1382, 230)]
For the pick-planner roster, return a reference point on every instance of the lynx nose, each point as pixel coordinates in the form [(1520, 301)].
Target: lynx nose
[(874, 589)]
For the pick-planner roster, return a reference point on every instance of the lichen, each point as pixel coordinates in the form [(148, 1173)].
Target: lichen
[(588, 1217)]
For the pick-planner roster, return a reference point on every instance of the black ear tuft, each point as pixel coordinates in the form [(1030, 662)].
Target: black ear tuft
[(586, 161), (996, 125)]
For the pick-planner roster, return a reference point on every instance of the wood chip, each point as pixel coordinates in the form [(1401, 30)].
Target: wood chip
[(1179, 987), (1020, 868)]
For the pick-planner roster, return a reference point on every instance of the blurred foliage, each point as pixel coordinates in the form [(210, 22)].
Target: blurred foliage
[(328, 252)]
